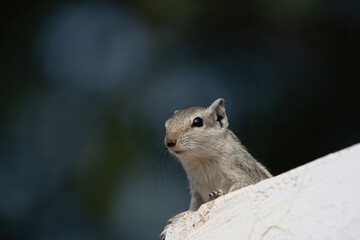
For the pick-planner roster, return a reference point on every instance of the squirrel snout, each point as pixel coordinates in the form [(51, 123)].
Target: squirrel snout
[(170, 142)]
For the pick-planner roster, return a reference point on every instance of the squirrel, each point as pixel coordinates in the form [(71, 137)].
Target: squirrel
[(214, 159)]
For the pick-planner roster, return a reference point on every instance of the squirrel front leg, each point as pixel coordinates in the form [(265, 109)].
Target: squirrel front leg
[(196, 201)]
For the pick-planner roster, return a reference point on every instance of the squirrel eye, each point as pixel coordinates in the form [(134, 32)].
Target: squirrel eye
[(198, 122)]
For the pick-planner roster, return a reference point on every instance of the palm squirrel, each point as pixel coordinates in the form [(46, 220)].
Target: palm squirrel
[(214, 159)]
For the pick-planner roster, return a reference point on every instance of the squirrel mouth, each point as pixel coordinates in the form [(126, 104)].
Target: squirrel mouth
[(178, 152)]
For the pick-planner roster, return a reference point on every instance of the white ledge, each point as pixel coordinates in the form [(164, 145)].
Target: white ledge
[(319, 200)]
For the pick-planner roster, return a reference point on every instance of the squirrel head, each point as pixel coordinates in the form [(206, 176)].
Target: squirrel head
[(194, 130)]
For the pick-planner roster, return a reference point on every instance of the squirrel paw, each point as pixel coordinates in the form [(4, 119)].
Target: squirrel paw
[(215, 194)]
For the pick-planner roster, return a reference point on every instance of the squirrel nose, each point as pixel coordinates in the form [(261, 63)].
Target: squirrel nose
[(170, 142)]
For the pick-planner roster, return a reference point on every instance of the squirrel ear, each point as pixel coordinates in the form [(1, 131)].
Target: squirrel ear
[(217, 108)]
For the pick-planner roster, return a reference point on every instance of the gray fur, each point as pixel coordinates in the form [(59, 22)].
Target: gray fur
[(214, 159), (212, 156)]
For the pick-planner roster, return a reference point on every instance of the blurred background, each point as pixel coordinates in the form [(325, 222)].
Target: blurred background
[(86, 87)]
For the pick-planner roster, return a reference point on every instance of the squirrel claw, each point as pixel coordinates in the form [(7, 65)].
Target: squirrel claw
[(215, 194)]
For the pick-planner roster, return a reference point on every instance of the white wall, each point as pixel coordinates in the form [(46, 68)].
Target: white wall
[(319, 200)]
